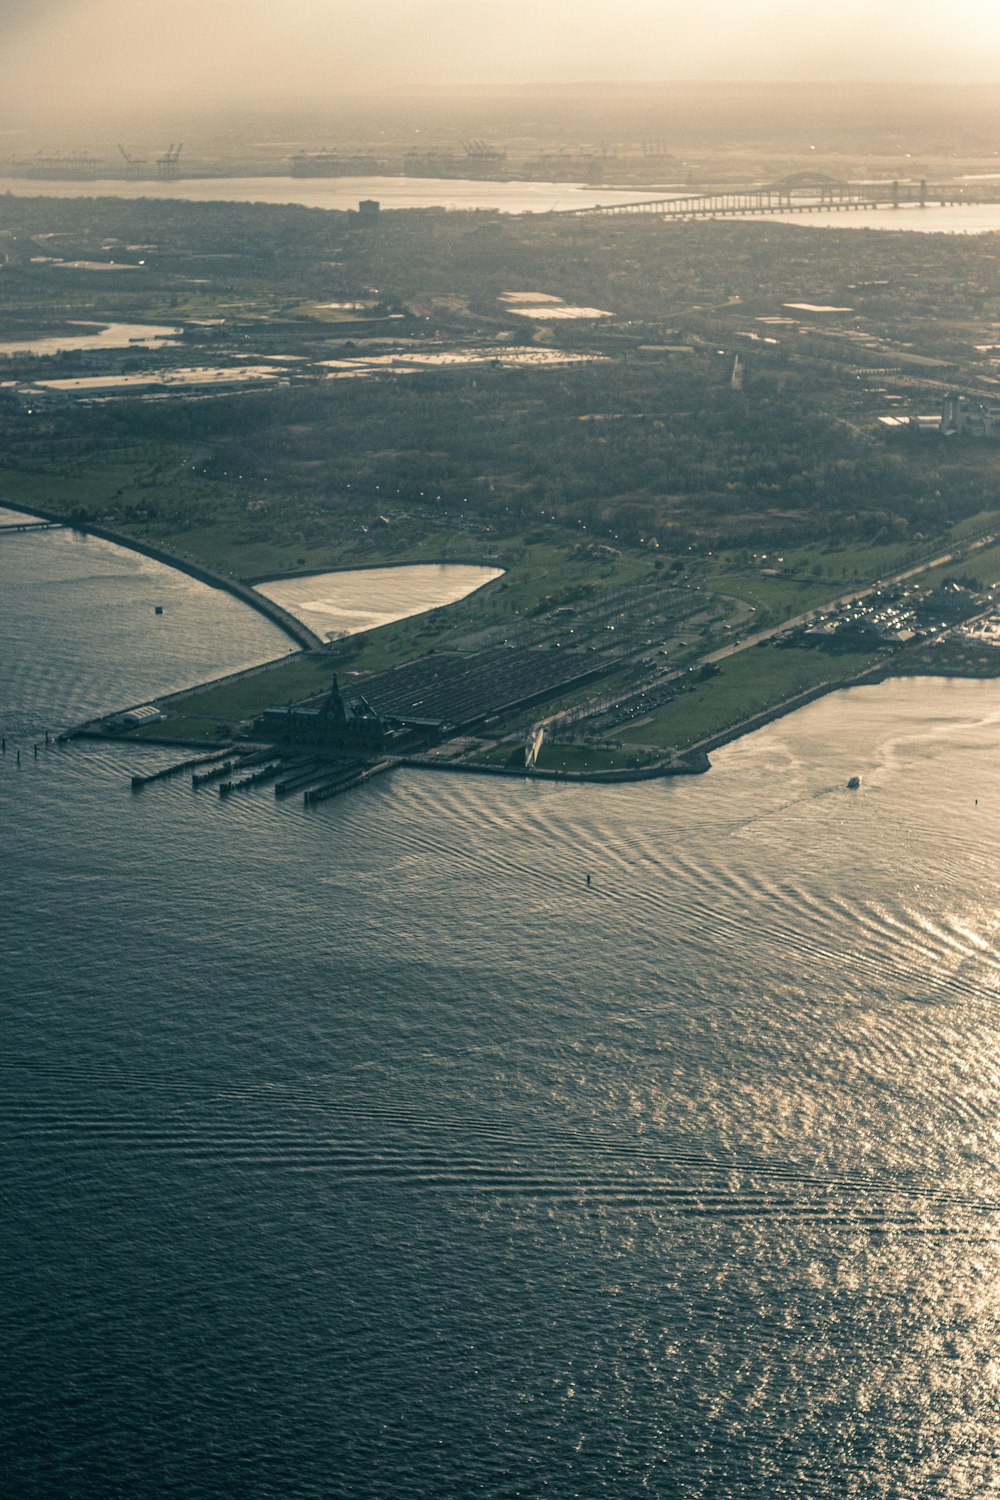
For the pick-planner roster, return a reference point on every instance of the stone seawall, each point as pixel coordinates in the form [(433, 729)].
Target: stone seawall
[(873, 674), (299, 633), (678, 767)]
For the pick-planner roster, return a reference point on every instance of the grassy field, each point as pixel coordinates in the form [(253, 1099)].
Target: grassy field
[(155, 491), (210, 714), (811, 577), (984, 520), (748, 683), (982, 566), (187, 731), (773, 599), (839, 569), (578, 758), (592, 758), (130, 476)]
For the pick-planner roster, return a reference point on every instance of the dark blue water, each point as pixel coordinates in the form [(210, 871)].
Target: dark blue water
[(364, 1151)]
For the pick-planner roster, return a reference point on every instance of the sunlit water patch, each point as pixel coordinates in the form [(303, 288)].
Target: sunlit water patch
[(505, 197), (935, 218), (345, 192), (411, 362), (365, 1149), (336, 604), (106, 336)]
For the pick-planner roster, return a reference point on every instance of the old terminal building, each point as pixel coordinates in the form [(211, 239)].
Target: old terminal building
[(419, 703), (343, 725)]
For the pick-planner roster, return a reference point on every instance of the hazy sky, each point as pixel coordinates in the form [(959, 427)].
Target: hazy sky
[(98, 51)]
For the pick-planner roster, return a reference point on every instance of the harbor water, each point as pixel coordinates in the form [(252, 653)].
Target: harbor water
[(504, 197), (368, 1150)]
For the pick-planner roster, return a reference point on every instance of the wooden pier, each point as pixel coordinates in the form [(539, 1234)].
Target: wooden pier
[(230, 771), (176, 769), (351, 776), (255, 778)]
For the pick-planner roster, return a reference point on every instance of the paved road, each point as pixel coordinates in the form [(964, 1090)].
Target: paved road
[(770, 631), (851, 597)]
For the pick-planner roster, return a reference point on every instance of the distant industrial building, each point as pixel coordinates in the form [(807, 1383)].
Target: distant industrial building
[(960, 416), (194, 381), (137, 718), (968, 418)]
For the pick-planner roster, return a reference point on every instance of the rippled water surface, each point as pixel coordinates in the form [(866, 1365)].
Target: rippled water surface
[(79, 633), (505, 197), (364, 1151), (345, 192)]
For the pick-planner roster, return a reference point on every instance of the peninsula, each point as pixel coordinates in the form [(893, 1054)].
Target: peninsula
[(722, 466)]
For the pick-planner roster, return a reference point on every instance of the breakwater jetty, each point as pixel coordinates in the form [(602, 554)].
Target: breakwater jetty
[(229, 771), (351, 775), (307, 639), (177, 768)]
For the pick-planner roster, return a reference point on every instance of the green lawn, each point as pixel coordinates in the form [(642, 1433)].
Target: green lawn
[(839, 569), (982, 565), (195, 731), (773, 598), (579, 758), (210, 713), (984, 520), (812, 576), (748, 683), (554, 757)]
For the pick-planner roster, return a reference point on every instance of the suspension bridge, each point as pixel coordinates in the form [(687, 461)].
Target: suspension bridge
[(805, 193)]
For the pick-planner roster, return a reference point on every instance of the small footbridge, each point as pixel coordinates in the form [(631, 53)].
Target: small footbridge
[(803, 193), (11, 528)]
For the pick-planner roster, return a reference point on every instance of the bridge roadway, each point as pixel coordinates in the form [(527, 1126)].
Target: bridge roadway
[(811, 198)]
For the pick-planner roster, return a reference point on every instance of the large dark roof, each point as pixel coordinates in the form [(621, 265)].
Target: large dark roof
[(458, 689)]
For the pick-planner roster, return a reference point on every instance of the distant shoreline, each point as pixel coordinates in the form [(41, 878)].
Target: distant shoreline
[(510, 197)]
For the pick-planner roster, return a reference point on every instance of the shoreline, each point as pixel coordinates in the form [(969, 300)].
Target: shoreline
[(880, 672), (372, 567), (515, 197), (695, 759), (303, 637), (692, 761)]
